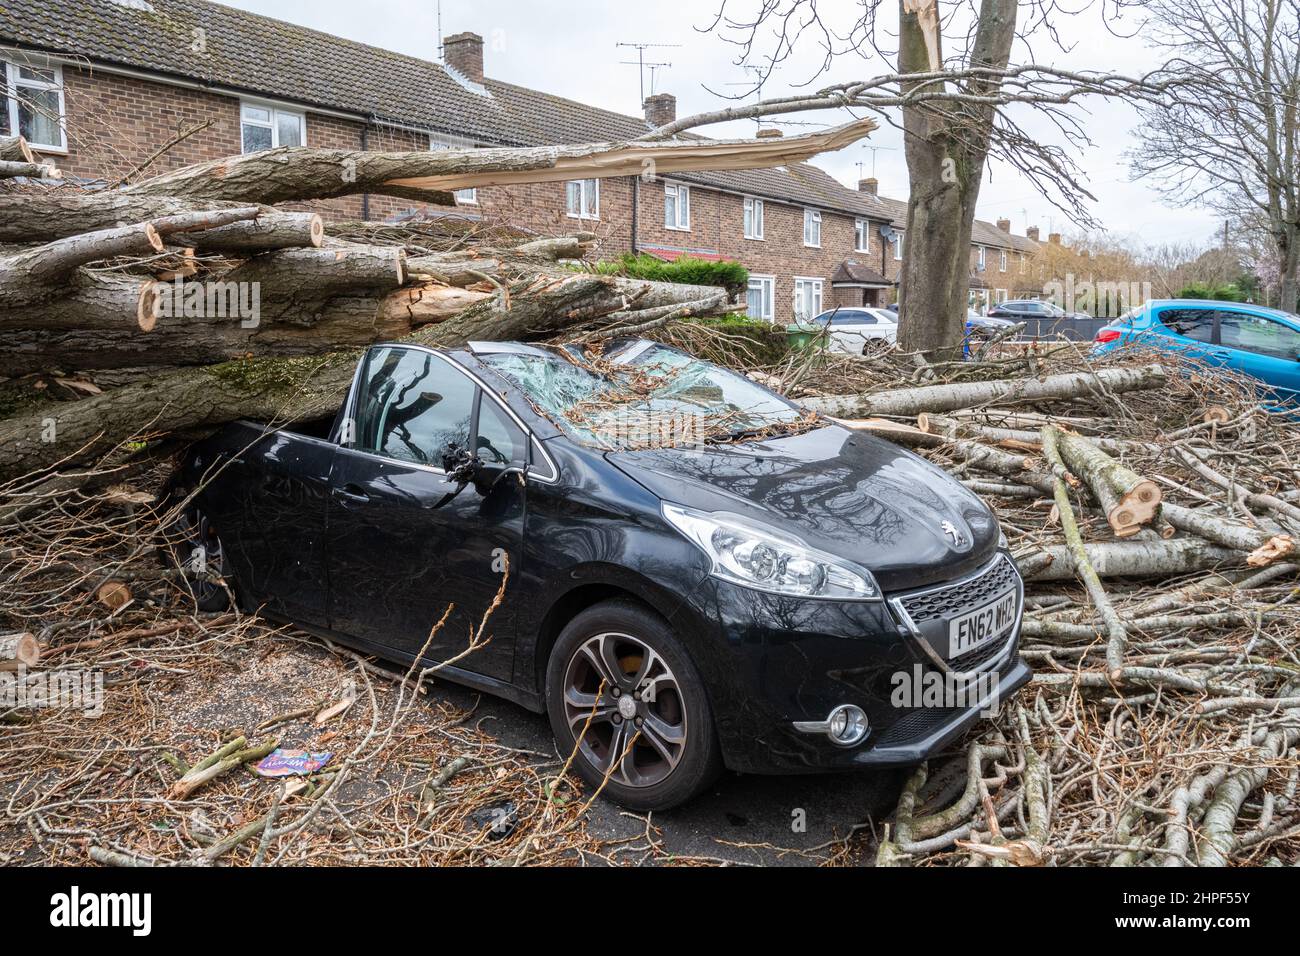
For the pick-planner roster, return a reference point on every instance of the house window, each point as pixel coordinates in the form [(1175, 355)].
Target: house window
[(265, 127), (582, 198), (861, 235), (807, 298), (463, 196), (980, 257), (1022, 262), (677, 207), (898, 245), (753, 218), (758, 297), (34, 105), (1002, 263), (812, 227)]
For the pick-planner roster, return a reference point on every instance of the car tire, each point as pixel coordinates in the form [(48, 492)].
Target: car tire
[(670, 744), (190, 537)]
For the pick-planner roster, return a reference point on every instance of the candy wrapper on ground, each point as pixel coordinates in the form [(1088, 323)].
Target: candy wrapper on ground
[(292, 763)]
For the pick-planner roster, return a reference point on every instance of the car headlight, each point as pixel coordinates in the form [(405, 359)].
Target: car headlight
[(761, 558)]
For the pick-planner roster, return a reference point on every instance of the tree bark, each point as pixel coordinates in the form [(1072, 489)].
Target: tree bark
[(15, 149), (11, 170), (908, 402), (945, 149), (1136, 559)]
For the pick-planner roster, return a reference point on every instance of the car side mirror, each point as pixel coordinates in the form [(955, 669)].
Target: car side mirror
[(459, 464), (488, 475)]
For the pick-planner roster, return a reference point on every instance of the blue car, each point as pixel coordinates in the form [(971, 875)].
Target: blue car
[(1260, 342)]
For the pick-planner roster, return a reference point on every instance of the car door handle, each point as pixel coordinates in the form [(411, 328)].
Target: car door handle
[(351, 493)]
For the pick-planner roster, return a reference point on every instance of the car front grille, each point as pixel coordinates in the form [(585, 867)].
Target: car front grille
[(928, 612), (914, 725), (949, 602)]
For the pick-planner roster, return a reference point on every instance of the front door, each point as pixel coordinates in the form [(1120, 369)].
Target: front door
[(408, 541)]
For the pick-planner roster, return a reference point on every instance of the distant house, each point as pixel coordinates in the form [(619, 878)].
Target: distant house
[(105, 83)]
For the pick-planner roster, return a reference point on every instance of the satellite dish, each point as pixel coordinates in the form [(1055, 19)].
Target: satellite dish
[(887, 233)]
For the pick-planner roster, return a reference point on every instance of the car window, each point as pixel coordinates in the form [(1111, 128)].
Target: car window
[(853, 318), (1195, 324), (500, 441), (411, 405), (1258, 334)]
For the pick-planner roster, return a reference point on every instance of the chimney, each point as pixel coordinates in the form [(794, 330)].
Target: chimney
[(769, 133), (464, 54), (870, 186), (1032, 233), (660, 109), (1004, 225), (1054, 238)]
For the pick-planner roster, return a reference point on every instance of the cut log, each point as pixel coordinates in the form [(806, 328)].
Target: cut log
[(270, 230), (15, 149), (46, 216), (1128, 500), (908, 402), (11, 170), (1136, 559), (1264, 548), (18, 650)]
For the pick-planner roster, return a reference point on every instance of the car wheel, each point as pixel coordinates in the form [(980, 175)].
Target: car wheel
[(197, 551), (623, 691)]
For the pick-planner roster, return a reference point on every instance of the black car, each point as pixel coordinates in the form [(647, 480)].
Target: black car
[(697, 571), (1021, 310)]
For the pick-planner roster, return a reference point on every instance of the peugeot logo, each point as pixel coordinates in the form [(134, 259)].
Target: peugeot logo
[(951, 531)]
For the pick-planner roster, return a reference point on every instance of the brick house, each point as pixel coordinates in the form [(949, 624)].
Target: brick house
[(107, 83)]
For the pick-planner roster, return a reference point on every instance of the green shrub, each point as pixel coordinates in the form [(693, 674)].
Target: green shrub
[(1219, 293), (731, 276)]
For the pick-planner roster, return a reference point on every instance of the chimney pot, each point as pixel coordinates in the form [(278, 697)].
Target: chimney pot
[(1004, 225), (660, 109), (1032, 233), (1054, 238), (463, 52), (769, 133), (870, 185)]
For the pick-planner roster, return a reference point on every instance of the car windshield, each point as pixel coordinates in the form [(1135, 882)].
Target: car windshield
[(644, 395)]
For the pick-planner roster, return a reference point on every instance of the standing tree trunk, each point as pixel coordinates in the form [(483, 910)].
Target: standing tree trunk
[(946, 147)]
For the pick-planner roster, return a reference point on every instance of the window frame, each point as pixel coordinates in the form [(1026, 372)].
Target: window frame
[(1002, 260), (862, 228), (897, 243), (12, 82), (812, 217), (981, 258), (819, 284), (770, 281), (273, 124), (681, 200), (583, 212), (752, 216)]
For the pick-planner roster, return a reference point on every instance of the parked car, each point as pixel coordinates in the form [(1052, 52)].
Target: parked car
[(1021, 310), (851, 330), (1261, 342), (697, 574)]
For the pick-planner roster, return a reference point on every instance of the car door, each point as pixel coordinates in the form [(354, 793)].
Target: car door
[(851, 328), (1263, 347), (407, 539)]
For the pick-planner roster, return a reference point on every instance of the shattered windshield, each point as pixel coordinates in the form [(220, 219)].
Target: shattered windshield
[(645, 395)]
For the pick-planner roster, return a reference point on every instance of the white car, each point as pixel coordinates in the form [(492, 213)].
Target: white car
[(850, 329)]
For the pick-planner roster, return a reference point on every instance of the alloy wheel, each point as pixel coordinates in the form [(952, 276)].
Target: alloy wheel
[(637, 730)]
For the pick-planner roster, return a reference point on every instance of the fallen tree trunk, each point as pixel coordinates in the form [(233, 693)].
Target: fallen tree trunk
[(288, 389), (1264, 548), (1128, 499), (15, 149), (908, 402), (1137, 559)]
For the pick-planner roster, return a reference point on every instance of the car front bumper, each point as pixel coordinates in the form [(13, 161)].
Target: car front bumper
[(772, 662)]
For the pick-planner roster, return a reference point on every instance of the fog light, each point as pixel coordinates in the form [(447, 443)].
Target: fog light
[(847, 725)]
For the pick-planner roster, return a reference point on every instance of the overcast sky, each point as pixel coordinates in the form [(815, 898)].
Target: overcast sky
[(569, 47)]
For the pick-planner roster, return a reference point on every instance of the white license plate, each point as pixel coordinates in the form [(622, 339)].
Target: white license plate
[(981, 625)]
